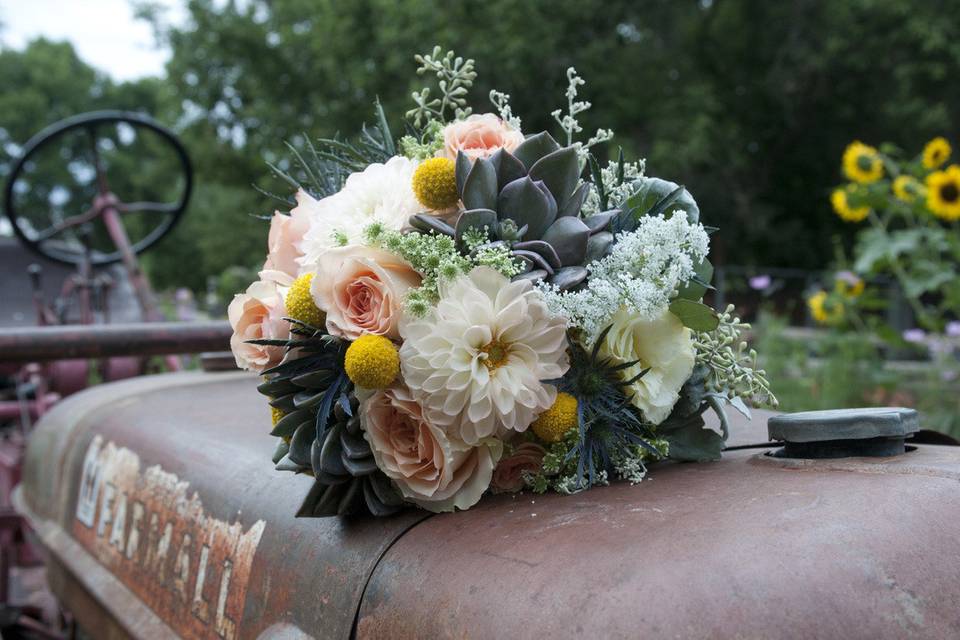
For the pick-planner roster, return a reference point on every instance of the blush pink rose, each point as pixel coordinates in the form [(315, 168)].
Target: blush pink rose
[(286, 236), (508, 476), (256, 314), (361, 290), (479, 136), (431, 469)]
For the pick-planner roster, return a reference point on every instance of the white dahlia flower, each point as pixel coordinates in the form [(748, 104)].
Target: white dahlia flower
[(662, 345), (380, 193), (477, 361)]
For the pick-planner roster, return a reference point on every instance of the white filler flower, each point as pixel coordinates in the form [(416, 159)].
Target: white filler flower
[(380, 193), (477, 361)]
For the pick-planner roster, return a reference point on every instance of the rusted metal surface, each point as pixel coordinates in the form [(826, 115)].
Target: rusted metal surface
[(157, 502), (749, 547), (164, 518), (85, 341)]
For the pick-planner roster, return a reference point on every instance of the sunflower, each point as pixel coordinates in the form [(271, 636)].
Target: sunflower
[(841, 205), (906, 188), (862, 163), (848, 284), (823, 309), (936, 152), (943, 193)]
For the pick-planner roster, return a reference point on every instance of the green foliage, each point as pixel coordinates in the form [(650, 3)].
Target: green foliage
[(830, 370), (748, 103)]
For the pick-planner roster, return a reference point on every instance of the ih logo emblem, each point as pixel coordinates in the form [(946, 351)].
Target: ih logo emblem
[(154, 535)]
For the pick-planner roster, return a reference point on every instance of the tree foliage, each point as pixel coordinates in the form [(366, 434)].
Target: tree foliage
[(746, 102)]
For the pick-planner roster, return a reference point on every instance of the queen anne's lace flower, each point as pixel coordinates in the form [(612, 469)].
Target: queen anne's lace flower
[(380, 193), (642, 273), (477, 361)]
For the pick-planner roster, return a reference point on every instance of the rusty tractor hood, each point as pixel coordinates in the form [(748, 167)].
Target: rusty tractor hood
[(163, 517)]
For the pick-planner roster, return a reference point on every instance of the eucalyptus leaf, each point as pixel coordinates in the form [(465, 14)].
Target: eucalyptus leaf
[(648, 192), (690, 441), (695, 315), (695, 289)]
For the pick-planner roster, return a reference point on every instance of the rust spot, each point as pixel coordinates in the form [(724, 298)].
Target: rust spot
[(151, 532)]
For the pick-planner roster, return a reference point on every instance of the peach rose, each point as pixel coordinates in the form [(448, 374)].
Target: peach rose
[(508, 476), (258, 313), (432, 470), (361, 290), (286, 235), (479, 136)]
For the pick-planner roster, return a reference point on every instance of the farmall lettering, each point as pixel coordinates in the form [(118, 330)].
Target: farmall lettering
[(143, 525)]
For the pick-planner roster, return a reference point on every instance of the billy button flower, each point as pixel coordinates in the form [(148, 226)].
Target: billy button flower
[(907, 188), (935, 153), (840, 199), (300, 305), (435, 183), (862, 163), (275, 415), (943, 193), (554, 423), (372, 362)]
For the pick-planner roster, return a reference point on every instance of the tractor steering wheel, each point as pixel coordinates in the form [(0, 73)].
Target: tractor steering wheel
[(83, 182)]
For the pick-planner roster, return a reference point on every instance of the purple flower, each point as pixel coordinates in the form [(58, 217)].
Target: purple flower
[(760, 283), (914, 335), (953, 329)]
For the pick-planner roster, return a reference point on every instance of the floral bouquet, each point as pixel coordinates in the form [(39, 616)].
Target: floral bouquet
[(473, 308)]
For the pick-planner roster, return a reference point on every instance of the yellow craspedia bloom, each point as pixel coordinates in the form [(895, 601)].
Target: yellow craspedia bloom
[(435, 183), (555, 422), (936, 152), (862, 163), (841, 205), (300, 305), (906, 188), (275, 415), (372, 362), (943, 193), (823, 310)]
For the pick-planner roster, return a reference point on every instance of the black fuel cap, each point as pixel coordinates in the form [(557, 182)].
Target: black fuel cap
[(844, 433)]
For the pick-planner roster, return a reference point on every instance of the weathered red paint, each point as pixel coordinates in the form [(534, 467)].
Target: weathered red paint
[(164, 516), (749, 547)]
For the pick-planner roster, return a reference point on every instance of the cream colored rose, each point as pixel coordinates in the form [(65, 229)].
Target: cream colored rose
[(508, 476), (479, 136), (432, 470), (258, 313), (286, 236), (664, 346), (361, 290)]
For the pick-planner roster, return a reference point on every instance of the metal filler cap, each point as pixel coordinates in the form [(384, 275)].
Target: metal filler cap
[(844, 433)]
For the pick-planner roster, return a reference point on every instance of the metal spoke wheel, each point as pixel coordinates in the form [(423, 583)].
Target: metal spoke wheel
[(101, 186)]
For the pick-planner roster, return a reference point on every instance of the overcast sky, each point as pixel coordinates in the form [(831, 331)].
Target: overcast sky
[(104, 32)]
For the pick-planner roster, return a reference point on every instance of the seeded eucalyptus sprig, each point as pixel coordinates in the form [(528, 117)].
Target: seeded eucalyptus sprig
[(454, 78), (733, 367)]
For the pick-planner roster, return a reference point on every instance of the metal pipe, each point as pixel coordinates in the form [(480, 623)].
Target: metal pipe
[(32, 344)]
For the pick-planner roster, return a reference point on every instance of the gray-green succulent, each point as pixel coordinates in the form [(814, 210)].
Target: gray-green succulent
[(530, 200)]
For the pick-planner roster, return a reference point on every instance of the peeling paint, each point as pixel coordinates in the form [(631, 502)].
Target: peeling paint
[(151, 531)]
